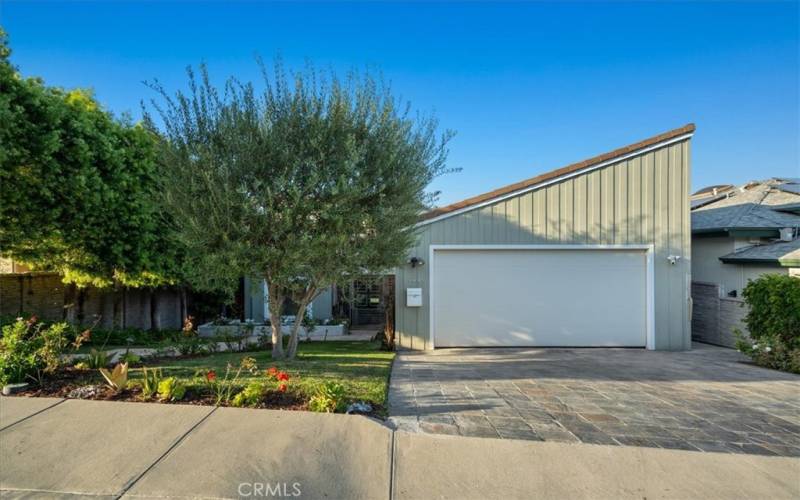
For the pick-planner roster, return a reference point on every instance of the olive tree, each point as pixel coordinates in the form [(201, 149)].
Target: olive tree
[(306, 182)]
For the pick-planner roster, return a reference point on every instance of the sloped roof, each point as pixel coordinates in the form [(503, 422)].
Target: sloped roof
[(755, 205), (786, 253), (569, 169)]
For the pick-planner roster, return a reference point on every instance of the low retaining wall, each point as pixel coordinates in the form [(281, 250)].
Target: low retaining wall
[(715, 319), (211, 330)]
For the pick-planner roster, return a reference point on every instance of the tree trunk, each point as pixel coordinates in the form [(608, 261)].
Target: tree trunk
[(298, 322), (275, 309), (155, 313), (388, 327)]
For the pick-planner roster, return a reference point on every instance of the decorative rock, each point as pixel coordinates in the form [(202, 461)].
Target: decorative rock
[(359, 407), (85, 392), (10, 389)]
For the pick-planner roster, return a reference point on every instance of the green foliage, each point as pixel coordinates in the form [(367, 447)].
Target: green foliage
[(130, 336), (97, 359), (150, 381), (79, 187), (250, 396), (171, 389), (29, 349), (117, 379), (130, 358), (773, 322), (308, 183), (774, 302), (223, 388), (329, 398)]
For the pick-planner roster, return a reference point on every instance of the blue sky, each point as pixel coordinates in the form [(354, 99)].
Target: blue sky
[(528, 87)]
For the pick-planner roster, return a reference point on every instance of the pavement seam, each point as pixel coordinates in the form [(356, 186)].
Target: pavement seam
[(75, 493), (164, 455), (33, 414), (392, 465)]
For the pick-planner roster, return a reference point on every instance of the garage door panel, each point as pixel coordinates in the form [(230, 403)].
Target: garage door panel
[(539, 298)]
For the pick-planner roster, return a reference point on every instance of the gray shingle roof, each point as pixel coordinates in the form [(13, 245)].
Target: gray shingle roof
[(783, 252), (753, 206)]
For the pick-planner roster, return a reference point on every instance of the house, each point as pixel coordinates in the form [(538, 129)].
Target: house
[(361, 302), (596, 253), (737, 235), (256, 302)]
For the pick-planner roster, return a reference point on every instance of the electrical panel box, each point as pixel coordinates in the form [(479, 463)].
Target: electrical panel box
[(413, 297)]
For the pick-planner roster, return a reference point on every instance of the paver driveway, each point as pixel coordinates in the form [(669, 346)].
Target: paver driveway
[(707, 399)]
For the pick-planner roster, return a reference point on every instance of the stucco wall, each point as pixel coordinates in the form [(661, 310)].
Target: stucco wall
[(707, 268), (255, 295), (640, 200)]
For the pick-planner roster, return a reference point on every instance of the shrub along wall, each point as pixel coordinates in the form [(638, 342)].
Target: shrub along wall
[(46, 296)]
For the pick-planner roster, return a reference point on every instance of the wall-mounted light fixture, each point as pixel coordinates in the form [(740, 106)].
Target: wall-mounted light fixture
[(416, 261), (673, 259)]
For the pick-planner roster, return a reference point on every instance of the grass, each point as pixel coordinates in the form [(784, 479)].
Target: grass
[(361, 367)]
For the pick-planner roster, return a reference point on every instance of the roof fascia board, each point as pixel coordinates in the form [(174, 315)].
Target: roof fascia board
[(770, 262), (555, 180)]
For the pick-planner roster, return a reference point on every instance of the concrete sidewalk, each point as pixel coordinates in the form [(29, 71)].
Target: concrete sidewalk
[(52, 448)]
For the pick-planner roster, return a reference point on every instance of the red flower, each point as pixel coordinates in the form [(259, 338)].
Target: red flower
[(33, 320), (283, 376), (272, 372), (211, 375), (282, 388)]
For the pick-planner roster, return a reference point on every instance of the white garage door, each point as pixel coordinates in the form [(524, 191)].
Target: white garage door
[(539, 297)]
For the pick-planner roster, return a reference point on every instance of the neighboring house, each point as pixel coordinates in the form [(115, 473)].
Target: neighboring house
[(593, 254), (739, 234)]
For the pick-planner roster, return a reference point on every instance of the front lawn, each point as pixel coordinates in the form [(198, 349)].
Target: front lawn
[(360, 367)]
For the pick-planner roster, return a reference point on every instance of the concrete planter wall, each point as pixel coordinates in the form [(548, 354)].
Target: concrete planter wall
[(211, 330)]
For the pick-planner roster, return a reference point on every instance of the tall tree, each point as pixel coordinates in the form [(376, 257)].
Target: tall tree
[(78, 187), (310, 182)]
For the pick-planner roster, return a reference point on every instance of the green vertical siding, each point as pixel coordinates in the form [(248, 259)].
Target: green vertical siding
[(640, 200)]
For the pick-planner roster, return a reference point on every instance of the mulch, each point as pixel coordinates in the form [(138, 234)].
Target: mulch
[(64, 381)]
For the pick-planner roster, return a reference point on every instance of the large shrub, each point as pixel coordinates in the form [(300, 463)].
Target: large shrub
[(29, 349), (773, 321)]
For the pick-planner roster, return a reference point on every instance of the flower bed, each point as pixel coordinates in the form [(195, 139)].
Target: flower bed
[(325, 376)]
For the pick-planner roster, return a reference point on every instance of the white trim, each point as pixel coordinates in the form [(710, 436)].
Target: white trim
[(650, 338), (560, 178)]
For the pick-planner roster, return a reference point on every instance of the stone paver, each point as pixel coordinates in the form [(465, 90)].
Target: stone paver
[(707, 399)]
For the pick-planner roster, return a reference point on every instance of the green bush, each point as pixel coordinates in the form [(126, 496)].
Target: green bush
[(773, 321), (250, 396), (329, 398), (171, 389), (29, 349)]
